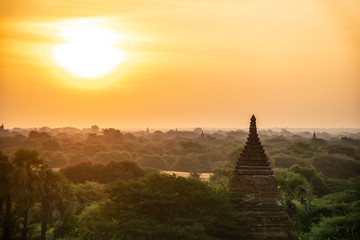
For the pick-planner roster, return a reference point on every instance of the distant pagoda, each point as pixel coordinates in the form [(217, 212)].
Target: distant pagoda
[(253, 187)]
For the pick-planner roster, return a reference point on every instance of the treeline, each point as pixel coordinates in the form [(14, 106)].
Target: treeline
[(192, 151)]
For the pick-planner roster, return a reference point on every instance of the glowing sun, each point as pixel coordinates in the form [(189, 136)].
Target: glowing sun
[(89, 50)]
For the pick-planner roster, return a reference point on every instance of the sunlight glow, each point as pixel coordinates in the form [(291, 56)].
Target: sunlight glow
[(90, 50)]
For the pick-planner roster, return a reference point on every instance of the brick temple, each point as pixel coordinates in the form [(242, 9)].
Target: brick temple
[(254, 189)]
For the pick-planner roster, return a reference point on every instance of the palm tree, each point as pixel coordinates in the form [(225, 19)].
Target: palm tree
[(5, 194), (50, 188), (293, 186), (26, 178)]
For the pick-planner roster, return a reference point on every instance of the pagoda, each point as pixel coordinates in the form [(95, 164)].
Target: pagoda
[(254, 190)]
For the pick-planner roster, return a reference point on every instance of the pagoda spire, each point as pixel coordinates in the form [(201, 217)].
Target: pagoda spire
[(253, 153)]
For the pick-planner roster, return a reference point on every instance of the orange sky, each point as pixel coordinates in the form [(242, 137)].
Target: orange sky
[(189, 63)]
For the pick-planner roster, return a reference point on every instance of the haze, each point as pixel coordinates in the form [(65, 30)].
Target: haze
[(188, 64)]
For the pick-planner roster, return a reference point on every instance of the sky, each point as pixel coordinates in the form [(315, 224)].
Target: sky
[(185, 63)]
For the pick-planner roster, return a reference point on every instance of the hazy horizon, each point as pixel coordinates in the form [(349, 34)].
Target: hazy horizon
[(191, 128)]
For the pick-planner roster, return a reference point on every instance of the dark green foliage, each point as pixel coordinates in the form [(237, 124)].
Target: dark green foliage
[(234, 155), (105, 157), (303, 149), (287, 160), (346, 227), (187, 163), (75, 157), (31, 185), (27, 169), (316, 180), (336, 167), (162, 207), (347, 196), (328, 216), (151, 171), (113, 171), (154, 161), (192, 147), (348, 140), (293, 186), (338, 184), (220, 177), (87, 194), (350, 151), (6, 169)]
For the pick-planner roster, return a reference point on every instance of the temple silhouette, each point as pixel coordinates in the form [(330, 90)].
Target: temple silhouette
[(254, 190)]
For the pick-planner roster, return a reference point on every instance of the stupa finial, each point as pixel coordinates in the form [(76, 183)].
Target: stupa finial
[(253, 123)]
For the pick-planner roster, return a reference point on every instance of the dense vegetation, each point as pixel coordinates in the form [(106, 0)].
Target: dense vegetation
[(92, 184)]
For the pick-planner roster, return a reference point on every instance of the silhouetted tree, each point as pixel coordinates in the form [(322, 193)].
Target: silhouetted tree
[(40, 136), (50, 188), (5, 193), (95, 129), (27, 169)]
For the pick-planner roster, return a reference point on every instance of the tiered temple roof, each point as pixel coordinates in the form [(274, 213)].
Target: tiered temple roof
[(253, 153)]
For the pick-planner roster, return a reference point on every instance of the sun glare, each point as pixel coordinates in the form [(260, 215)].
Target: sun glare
[(89, 50)]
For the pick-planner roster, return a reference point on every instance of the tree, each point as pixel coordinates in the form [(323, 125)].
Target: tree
[(55, 159), (50, 188), (293, 186), (27, 170), (88, 193), (338, 166), (111, 135), (40, 136), (51, 145), (5, 193), (314, 178), (162, 207), (101, 173), (220, 177), (106, 157), (95, 129), (337, 227), (152, 160)]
